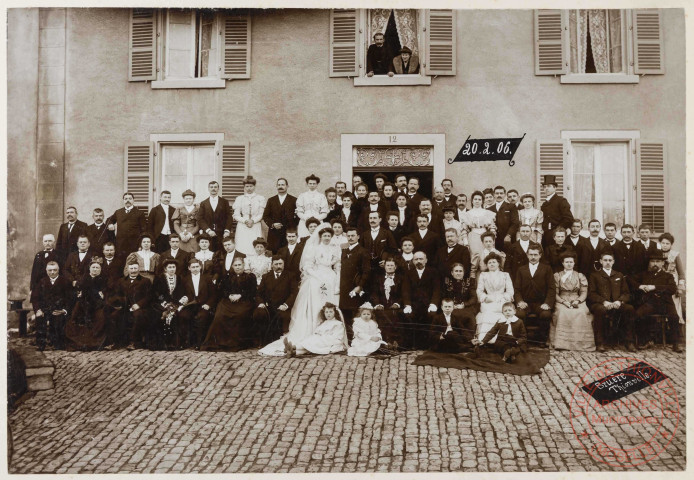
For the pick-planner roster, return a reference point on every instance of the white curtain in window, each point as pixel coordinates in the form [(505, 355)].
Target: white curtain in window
[(597, 22), (406, 22), (379, 21), (580, 23), (583, 205), (616, 50)]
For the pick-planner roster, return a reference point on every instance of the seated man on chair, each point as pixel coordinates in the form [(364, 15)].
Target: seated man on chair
[(655, 290), (608, 294), (535, 291)]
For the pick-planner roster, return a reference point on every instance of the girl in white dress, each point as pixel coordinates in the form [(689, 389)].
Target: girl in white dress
[(248, 212), (529, 215), (330, 336), (258, 263), (310, 204), (367, 336), (494, 288), (320, 284)]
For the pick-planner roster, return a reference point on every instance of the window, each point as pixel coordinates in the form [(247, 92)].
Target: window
[(179, 161), (429, 34), (598, 46), (189, 48), (611, 175)]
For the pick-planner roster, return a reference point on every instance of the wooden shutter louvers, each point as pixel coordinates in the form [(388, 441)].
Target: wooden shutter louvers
[(344, 42), (441, 42), (648, 42), (138, 176), (143, 42), (236, 47), (651, 184), (550, 35)]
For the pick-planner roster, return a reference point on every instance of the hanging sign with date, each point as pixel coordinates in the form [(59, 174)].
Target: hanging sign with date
[(488, 149)]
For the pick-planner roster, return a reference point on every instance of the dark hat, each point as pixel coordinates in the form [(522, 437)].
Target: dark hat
[(260, 241), (188, 192), (204, 236), (169, 261), (656, 255), (406, 50), (312, 177), (550, 180), (249, 180)]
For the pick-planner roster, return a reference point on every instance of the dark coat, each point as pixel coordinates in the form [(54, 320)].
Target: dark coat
[(590, 261), (518, 334), (38, 269), (407, 226), (74, 270), (112, 273), (182, 258), (352, 219), (630, 261), (284, 214), (602, 288), (435, 223), (219, 264), (379, 248), (160, 291), (583, 254), (398, 233), (363, 222), (98, 236), (652, 248), (292, 261), (556, 212), (430, 244), (47, 297), (274, 292), (444, 260), (460, 337), (244, 284), (399, 292), (378, 59), (538, 289), (665, 288), (516, 257), (426, 290), (414, 201), (554, 253), (354, 272), (67, 240), (129, 227), (217, 220), (207, 292), (156, 219), (128, 293), (507, 223), (333, 212)]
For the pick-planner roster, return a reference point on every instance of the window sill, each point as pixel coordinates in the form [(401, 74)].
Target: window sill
[(599, 78), (395, 80), (190, 83)]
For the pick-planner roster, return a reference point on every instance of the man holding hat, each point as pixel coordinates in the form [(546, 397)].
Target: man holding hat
[(405, 63), (555, 210), (248, 212), (654, 289)]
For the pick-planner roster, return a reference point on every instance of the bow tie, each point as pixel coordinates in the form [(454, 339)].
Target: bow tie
[(391, 275)]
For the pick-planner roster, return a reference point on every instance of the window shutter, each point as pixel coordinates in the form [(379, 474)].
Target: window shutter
[(138, 173), (551, 27), (651, 175), (440, 42), (648, 42), (236, 46), (234, 168), (551, 157), (344, 42), (142, 62)]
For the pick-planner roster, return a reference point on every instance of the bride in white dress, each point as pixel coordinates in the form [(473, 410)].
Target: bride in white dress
[(320, 284)]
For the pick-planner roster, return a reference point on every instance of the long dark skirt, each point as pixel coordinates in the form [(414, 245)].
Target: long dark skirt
[(231, 327), (87, 328)]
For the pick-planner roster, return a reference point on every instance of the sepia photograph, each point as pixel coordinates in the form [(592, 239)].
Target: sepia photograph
[(289, 239)]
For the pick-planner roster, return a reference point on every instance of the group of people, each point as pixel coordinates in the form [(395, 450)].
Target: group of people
[(383, 269)]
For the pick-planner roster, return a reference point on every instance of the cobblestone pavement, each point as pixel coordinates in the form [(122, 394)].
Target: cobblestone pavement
[(151, 412)]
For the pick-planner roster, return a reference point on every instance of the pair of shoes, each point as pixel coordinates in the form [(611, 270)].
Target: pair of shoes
[(507, 356), (630, 347), (475, 353), (601, 348), (650, 344), (130, 347), (676, 348)]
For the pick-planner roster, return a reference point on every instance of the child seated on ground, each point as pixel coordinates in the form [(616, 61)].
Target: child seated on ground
[(367, 336), (511, 338), (330, 336)]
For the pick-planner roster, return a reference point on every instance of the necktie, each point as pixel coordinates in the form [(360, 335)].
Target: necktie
[(69, 226)]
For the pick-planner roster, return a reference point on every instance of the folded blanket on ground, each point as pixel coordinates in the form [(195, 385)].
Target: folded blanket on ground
[(528, 363)]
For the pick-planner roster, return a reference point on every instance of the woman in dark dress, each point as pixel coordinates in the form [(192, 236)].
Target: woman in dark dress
[(87, 327), (231, 327), (169, 295)]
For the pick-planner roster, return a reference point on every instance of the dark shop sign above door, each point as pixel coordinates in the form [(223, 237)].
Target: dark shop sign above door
[(488, 150)]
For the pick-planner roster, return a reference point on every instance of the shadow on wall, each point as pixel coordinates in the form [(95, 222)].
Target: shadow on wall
[(16, 286)]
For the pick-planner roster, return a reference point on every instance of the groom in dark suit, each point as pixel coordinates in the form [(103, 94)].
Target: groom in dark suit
[(275, 297), (159, 223), (215, 216), (507, 220), (378, 242), (354, 275), (291, 253), (535, 291), (279, 215)]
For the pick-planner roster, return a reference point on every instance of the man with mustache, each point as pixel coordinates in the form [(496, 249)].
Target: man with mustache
[(131, 224)]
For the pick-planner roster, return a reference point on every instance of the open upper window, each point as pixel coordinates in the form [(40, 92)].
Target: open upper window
[(430, 35), (189, 48), (598, 45)]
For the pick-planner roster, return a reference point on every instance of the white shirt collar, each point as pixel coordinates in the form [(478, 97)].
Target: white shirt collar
[(498, 204), (548, 197), (533, 268), (407, 256), (352, 247), (608, 272)]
